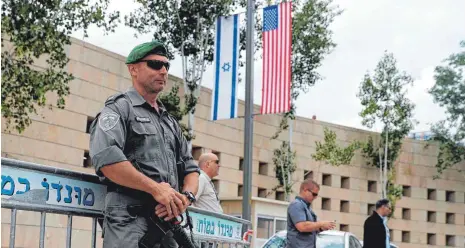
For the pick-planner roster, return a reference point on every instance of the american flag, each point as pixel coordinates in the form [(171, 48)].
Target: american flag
[(276, 74)]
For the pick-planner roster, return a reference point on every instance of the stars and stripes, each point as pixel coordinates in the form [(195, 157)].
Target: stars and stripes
[(276, 74)]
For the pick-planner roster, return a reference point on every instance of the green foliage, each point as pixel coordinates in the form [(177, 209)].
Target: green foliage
[(451, 149), (311, 41), (331, 153), (285, 165), (449, 92), (394, 192), (284, 124), (172, 103), (35, 29), (384, 99)]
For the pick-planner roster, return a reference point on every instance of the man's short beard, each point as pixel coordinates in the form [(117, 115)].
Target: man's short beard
[(151, 90)]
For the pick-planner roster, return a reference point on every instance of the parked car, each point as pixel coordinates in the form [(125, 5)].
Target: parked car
[(392, 245), (326, 239)]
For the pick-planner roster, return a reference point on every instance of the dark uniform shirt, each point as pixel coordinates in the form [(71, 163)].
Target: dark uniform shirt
[(298, 211), (128, 128)]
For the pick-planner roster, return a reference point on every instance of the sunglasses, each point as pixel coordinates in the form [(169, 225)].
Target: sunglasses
[(157, 64), (313, 193)]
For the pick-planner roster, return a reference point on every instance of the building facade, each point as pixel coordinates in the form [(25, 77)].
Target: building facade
[(430, 214)]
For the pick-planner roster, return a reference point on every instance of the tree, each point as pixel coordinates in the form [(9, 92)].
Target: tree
[(449, 92), (38, 29), (384, 99), (285, 166), (333, 154), (188, 29), (311, 41)]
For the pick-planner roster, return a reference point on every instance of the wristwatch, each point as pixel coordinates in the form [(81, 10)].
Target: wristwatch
[(189, 196)]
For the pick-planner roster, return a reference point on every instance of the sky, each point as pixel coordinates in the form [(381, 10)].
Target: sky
[(420, 34)]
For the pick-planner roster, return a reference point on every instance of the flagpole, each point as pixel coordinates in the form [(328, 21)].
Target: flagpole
[(248, 118)]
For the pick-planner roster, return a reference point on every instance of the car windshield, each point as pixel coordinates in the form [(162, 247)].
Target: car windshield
[(277, 241), (323, 241), (329, 241)]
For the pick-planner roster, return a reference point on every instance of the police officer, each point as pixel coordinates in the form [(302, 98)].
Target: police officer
[(139, 149)]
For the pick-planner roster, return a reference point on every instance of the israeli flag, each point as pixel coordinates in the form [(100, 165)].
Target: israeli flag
[(224, 94)]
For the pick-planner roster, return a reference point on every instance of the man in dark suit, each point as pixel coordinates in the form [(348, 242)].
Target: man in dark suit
[(375, 230)]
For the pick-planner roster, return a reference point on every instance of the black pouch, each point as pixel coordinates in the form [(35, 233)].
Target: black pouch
[(154, 233)]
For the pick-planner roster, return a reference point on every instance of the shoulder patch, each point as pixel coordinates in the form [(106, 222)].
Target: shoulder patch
[(108, 121)]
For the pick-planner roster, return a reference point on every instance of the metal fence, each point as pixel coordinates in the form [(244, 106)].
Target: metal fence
[(33, 187)]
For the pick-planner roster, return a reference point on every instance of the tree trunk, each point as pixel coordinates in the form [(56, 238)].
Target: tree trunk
[(381, 175), (190, 127), (385, 165), (283, 175), (198, 67), (288, 183)]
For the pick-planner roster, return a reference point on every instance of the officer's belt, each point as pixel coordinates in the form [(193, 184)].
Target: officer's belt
[(134, 193)]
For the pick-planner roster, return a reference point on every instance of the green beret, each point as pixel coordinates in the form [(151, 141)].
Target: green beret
[(144, 49)]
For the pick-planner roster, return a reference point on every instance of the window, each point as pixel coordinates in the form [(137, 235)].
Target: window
[(450, 196), (280, 225), (450, 218), (262, 192), (431, 239), (345, 182), (275, 242), (354, 243), (372, 186), (344, 207), (406, 191), (196, 152), (450, 240), (406, 213), (308, 174), (327, 179), (264, 228), (329, 241), (370, 209), (406, 236), (86, 160), (326, 204), (280, 196), (263, 168), (218, 154), (431, 216), (90, 119), (240, 190), (241, 164), (267, 226), (431, 194), (344, 227)]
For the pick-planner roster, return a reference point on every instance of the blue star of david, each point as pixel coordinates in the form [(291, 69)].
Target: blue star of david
[(226, 67)]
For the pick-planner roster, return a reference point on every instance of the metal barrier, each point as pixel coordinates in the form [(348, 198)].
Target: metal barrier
[(34, 187)]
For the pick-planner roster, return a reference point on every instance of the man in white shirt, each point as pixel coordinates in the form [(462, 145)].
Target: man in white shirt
[(207, 197)]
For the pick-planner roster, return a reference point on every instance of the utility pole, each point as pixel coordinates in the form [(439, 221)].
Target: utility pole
[(248, 119)]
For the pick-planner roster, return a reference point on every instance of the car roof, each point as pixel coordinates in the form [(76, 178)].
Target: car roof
[(334, 233), (283, 233), (392, 244)]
